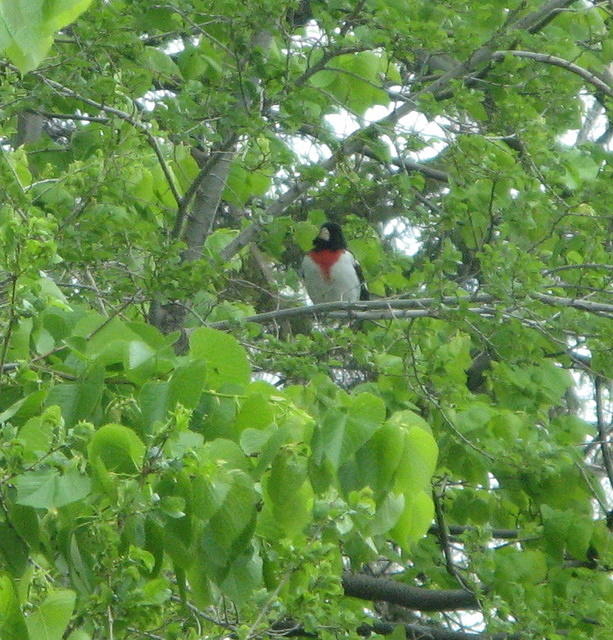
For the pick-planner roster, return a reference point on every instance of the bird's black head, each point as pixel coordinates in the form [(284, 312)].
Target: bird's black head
[(330, 237)]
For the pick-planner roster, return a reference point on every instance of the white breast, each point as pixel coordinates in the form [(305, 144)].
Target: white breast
[(343, 283)]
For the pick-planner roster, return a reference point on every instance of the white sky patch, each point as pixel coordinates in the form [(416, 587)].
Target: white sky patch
[(594, 114), (407, 238), (583, 388), (343, 123)]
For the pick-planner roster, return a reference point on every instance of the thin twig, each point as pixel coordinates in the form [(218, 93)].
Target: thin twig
[(199, 613), (443, 537), (10, 322), (602, 430)]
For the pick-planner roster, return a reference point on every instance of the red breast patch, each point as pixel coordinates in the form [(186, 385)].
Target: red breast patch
[(326, 258)]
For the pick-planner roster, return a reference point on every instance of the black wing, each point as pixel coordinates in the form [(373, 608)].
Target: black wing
[(364, 295)]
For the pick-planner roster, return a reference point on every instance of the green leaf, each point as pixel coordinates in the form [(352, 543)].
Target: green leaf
[(26, 27), (37, 433), (24, 407), (398, 633), (137, 354), (193, 63), (288, 473), (158, 62), (226, 452), (17, 160), (355, 80), (186, 384), (415, 518), (474, 418), (225, 359), (387, 514), (408, 419), (243, 577), (566, 530), (256, 412), (227, 498), (156, 592), (118, 448), (77, 400), (342, 433), (551, 381), (304, 233), (79, 634), (50, 619), (48, 489), (419, 461), (13, 550), (227, 506), (243, 184), (12, 622), (25, 523), (154, 402)]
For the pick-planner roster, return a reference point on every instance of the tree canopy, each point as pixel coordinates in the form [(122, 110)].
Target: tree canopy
[(190, 450)]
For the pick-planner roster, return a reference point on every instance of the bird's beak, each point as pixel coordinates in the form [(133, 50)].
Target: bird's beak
[(324, 234)]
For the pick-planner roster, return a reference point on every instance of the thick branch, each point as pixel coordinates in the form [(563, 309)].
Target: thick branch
[(416, 307), (206, 169), (576, 303), (289, 629), (411, 308), (457, 530), (539, 18), (371, 588), (208, 196), (559, 62), (423, 632)]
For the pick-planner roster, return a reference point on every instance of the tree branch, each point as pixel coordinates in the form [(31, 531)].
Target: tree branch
[(605, 447), (205, 170), (585, 265), (291, 629), (391, 308), (458, 529), (576, 303), (208, 196), (423, 632), (558, 62), (444, 542), (541, 17), (416, 307), (371, 588)]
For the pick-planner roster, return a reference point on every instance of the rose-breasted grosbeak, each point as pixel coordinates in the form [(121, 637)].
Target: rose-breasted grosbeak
[(330, 271)]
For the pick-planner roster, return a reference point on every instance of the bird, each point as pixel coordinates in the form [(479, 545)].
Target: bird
[(330, 271)]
